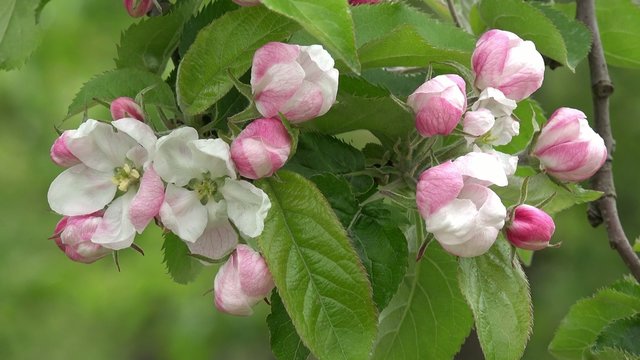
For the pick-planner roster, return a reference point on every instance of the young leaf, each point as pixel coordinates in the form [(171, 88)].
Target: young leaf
[(428, 317), (19, 31), (123, 82), (327, 20), (212, 11), (148, 44), (318, 274), (498, 293), (587, 319), (285, 342), (226, 44), (182, 267)]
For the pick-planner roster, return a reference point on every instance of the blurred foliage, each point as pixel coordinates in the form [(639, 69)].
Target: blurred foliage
[(56, 309)]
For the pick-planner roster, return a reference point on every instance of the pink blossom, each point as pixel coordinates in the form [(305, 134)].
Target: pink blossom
[(73, 236), (439, 104), (531, 228), (242, 282), (261, 149), (125, 107), (504, 61), (60, 153), (297, 81), (568, 148), (138, 8)]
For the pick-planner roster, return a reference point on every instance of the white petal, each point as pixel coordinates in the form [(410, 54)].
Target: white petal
[(504, 129), (454, 222), (173, 159), (247, 206), (81, 190), (214, 156), (219, 238), (139, 131), (183, 213), (483, 167), (478, 244), (99, 146), (491, 211), (116, 230), (495, 101)]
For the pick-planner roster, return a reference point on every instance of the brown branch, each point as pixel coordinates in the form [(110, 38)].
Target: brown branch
[(605, 208)]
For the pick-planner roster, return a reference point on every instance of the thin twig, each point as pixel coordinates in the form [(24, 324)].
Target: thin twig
[(454, 14), (602, 88)]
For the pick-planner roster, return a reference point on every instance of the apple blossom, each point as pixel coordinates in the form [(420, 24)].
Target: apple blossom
[(261, 149), (462, 213), (125, 107), (439, 104), (203, 194), (110, 162), (60, 153), (502, 129), (73, 236), (297, 81), (242, 282), (504, 61), (138, 8), (568, 148), (531, 228)]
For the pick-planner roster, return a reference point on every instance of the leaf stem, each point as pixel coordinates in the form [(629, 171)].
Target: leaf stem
[(454, 13)]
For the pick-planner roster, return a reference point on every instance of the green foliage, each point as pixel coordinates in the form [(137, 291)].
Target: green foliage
[(149, 43), (180, 265), (19, 31), (318, 275), (531, 116), (209, 13), (285, 342), (227, 44), (619, 25), (601, 326), (556, 36), (428, 317), (497, 291), (318, 153), (123, 82), (328, 20)]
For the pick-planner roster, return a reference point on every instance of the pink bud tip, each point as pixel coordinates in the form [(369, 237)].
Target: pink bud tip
[(125, 107), (73, 236), (261, 149), (60, 153), (531, 228), (439, 104), (242, 282), (137, 8)]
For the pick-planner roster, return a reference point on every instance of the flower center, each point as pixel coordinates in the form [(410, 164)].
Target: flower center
[(206, 188), (125, 176)]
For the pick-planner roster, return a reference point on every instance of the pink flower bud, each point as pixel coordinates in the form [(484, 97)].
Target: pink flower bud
[(504, 61), (248, 2), (125, 107), (297, 81), (137, 8), (568, 148), (261, 149), (73, 236), (531, 228), (60, 153), (360, 2), (242, 282), (439, 104)]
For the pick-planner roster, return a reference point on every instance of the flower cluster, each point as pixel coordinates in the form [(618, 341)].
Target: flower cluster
[(454, 197)]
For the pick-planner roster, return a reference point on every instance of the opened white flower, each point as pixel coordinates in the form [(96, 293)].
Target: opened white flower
[(114, 171), (203, 194)]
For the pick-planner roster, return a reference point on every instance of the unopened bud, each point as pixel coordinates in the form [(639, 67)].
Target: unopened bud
[(73, 236), (261, 149), (137, 8), (439, 104), (60, 153), (125, 107), (531, 228)]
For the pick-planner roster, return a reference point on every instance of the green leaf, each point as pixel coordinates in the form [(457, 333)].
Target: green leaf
[(319, 153), (575, 34), (182, 267), (619, 25), (328, 20), (610, 354), (123, 82), (529, 23), (498, 292), (588, 318), (318, 274), (209, 13), (19, 32), (428, 317), (285, 342), (148, 44), (339, 194), (621, 334), (531, 115), (400, 85), (226, 44)]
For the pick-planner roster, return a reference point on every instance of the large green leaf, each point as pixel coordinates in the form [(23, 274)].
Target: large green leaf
[(318, 274), (285, 342), (328, 20), (149, 43), (578, 333), (621, 334), (19, 31), (123, 82), (182, 267), (619, 24), (529, 23), (209, 13), (428, 317), (318, 153), (227, 44), (497, 290)]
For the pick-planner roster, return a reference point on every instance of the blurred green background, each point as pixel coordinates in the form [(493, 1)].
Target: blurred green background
[(53, 308)]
